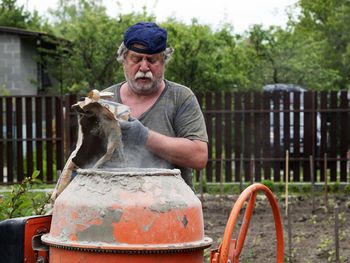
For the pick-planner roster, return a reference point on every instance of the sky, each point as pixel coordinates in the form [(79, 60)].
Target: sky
[(239, 13)]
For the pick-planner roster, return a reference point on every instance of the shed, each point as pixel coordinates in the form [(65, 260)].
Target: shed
[(20, 70)]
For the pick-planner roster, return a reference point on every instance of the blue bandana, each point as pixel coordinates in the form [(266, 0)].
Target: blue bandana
[(149, 35)]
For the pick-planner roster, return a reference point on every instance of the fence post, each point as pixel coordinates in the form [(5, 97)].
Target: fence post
[(240, 174), (287, 161), (325, 181), (312, 182)]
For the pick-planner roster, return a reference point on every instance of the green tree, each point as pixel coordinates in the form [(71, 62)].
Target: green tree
[(12, 15), (281, 56), (327, 22), (203, 60), (89, 62)]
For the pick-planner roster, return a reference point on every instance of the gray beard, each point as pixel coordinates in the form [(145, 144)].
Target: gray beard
[(146, 90)]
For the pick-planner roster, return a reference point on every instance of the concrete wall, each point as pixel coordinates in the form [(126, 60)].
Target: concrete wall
[(18, 68)]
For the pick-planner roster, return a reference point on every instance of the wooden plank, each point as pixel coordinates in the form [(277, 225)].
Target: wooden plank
[(286, 130), (208, 121), (308, 136), (218, 136), (49, 137), (333, 136), (39, 135), (228, 137), (59, 133), (247, 124), (19, 143), (9, 145), (258, 134), (29, 132), (277, 152), (266, 135), (324, 133), (344, 133), (199, 96), (296, 137), (237, 134), (71, 123), (2, 144)]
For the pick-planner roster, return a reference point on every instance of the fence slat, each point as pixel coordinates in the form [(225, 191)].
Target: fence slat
[(9, 144), (324, 133), (29, 131), (39, 134), (276, 137), (258, 133), (208, 121), (2, 144), (238, 135), (266, 135), (71, 124), (296, 142), (218, 137), (307, 142), (344, 133), (286, 130), (333, 137), (228, 137), (49, 136), (59, 134), (19, 144), (247, 123)]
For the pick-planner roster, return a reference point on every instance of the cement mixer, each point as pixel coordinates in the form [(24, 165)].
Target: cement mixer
[(128, 215)]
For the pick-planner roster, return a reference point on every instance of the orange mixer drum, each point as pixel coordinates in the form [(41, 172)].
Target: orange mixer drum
[(127, 215)]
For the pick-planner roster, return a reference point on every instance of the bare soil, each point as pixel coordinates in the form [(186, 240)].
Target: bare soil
[(313, 233)]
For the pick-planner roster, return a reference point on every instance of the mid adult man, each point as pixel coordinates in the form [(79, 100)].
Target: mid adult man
[(166, 128)]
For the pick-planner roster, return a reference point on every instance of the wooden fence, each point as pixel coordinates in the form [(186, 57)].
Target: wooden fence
[(249, 134)]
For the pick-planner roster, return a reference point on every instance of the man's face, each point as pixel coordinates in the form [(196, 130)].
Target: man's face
[(144, 73)]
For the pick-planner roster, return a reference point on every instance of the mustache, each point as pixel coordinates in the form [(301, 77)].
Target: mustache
[(140, 74)]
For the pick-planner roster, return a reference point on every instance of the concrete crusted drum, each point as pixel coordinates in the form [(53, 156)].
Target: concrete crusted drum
[(129, 215)]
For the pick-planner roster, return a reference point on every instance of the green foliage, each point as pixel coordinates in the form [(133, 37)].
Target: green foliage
[(336, 187), (12, 15), (20, 202), (325, 247), (281, 187), (269, 184), (89, 61), (347, 189), (294, 188), (326, 22), (306, 189), (279, 56), (313, 51), (203, 60), (4, 91)]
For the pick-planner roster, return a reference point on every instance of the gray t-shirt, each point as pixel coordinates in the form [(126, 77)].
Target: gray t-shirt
[(176, 113)]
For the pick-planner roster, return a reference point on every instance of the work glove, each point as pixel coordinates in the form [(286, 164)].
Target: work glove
[(133, 132)]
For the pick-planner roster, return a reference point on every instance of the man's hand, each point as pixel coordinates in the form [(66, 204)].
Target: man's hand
[(133, 132)]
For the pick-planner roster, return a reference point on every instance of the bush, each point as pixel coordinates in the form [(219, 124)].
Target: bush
[(20, 202), (306, 189), (294, 188), (281, 187), (347, 189), (269, 184), (336, 187), (227, 189)]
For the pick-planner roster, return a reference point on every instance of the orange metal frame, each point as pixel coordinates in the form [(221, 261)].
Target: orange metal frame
[(229, 250)]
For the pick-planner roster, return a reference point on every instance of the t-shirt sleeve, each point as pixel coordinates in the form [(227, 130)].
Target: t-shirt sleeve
[(189, 120)]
